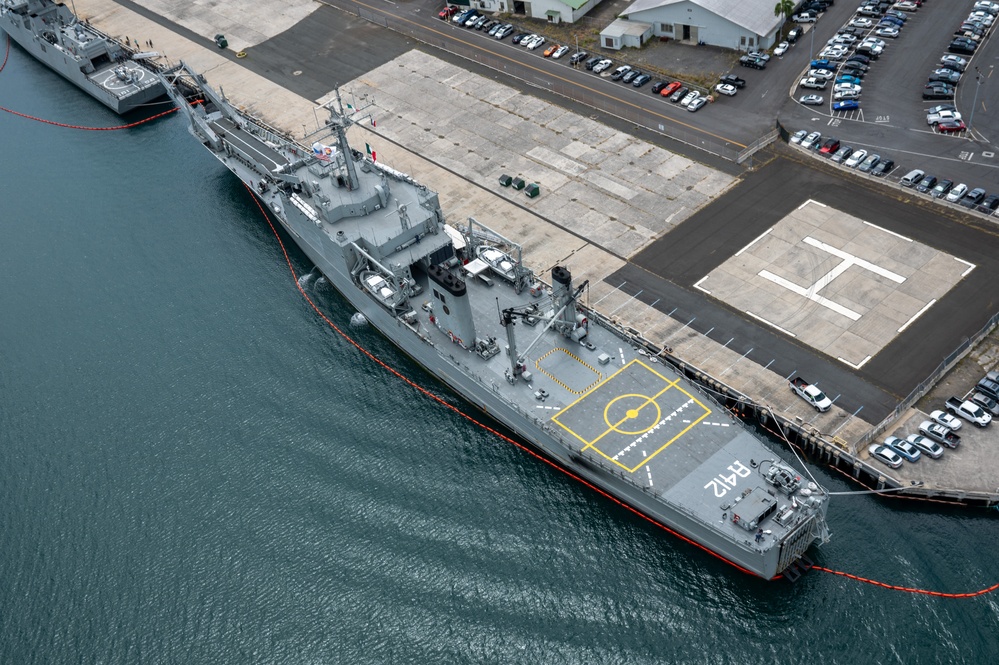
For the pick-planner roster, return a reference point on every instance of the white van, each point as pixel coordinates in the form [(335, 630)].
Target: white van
[(912, 177)]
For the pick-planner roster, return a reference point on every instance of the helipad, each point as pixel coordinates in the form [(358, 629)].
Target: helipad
[(843, 285)]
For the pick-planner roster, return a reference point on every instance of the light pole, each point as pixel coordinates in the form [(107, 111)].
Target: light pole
[(978, 84)]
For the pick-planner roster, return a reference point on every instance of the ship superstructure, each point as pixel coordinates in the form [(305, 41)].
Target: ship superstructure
[(588, 394), (85, 56)]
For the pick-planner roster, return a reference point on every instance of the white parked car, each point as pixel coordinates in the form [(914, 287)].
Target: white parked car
[(891, 33), (942, 116), (945, 419), (905, 6), (781, 49), (885, 455), (823, 74), (847, 87), (861, 22), (538, 41), (691, 96), (726, 89), (956, 193), (559, 52), (806, 17), (603, 65), (799, 135), (843, 95), (854, 159)]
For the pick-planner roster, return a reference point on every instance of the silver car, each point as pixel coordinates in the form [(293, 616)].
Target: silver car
[(928, 447)]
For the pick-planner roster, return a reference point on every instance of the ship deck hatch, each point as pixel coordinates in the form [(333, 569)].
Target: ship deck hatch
[(632, 416)]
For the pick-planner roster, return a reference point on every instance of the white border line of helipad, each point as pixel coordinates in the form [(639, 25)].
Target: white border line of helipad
[(811, 201), (755, 240), (847, 362), (697, 285), (917, 315), (772, 325), (892, 233), (971, 266)]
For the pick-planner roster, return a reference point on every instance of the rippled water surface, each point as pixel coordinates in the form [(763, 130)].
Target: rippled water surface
[(194, 468)]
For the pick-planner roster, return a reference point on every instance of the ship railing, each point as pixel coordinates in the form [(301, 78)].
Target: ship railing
[(613, 470)]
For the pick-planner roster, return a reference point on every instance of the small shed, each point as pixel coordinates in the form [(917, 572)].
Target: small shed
[(622, 33)]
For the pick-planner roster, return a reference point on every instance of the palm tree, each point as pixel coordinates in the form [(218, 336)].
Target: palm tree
[(784, 8)]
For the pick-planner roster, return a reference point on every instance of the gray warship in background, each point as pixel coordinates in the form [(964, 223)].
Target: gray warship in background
[(595, 398), (96, 63)]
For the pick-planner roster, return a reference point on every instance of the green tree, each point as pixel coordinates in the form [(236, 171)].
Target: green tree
[(784, 8)]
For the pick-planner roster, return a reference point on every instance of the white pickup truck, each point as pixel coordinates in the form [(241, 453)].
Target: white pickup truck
[(810, 394), (969, 411)]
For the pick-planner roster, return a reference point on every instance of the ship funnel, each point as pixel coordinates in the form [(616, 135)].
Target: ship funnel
[(562, 297)]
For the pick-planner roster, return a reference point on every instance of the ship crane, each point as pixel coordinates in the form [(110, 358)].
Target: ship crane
[(562, 324)]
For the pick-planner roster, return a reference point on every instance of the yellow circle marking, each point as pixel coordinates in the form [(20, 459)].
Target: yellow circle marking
[(632, 414)]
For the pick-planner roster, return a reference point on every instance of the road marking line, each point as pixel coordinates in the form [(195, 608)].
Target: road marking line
[(917, 315)]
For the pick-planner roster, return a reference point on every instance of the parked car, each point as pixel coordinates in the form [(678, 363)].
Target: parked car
[(559, 52), (805, 17), (812, 140), (938, 91), (945, 114), (972, 198), (926, 184), (812, 100), (856, 158), (538, 41), (658, 87), (630, 76), (944, 187), (678, 94), (726, 89), (885, 455), (844, 152), (697, 103), (823, 74), (799, 135), (845, 94), (989, 388), (520, 36), (989, 204), (822, 63), (951, 126), (550, 51), (448, 12), (944, 75), (912, 178), (945, 419), (781, 49), (846, 105), (813, 83), (869, 163), (926, 446), (732, 79), (887, 31), (986, 403), (671, 88), (578, 57), (846, 78), (830, 147), (603, 65), (883, 168), (690, 96), (964, 47), (593, 62), (620, 72), (641, 80), (862, 23), (904, 448)]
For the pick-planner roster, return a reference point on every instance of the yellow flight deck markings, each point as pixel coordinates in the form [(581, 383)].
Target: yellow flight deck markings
[(537, 364)]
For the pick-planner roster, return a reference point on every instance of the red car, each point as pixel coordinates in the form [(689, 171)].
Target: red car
[(951, 126), (671, 88), (448, 12)]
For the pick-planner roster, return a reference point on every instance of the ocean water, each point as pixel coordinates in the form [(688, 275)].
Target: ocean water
[(195, 468)]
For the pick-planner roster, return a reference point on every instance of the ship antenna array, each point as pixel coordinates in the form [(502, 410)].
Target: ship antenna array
[(337, 125)]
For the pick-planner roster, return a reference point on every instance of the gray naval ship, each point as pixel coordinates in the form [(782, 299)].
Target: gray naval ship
[(83, 55), (591, 396)]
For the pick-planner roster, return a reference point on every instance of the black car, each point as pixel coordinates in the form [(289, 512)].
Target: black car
[(793, 34), (989, 388), (862, 59), (630, 76), (962, 47), (989, 204), (520, 35), (578, 57), (850, 71), (732, 79), (938, 91), (941, 188), (658, 86), (679, 94), (592, 62), (973, 198), (755, 63), (883, 168), (926, 184)]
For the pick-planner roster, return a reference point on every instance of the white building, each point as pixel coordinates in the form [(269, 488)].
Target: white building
[(553, 11), (623, 33), (735, 24)]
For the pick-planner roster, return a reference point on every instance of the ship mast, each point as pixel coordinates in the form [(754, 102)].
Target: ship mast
[(339, 122)]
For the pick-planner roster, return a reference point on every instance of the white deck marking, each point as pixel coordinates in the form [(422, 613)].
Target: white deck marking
[(771, 324), (917, 315), (697, 285), (867, 265), (971, 266), (809, 293), (881, 228), (812, 201), (755, 240), (847, 362)]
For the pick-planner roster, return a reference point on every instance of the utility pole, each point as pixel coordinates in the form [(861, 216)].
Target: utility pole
[(978, 84)]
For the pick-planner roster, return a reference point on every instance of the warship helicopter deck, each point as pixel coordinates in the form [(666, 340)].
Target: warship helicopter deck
[(83, 55), (590, 395)]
